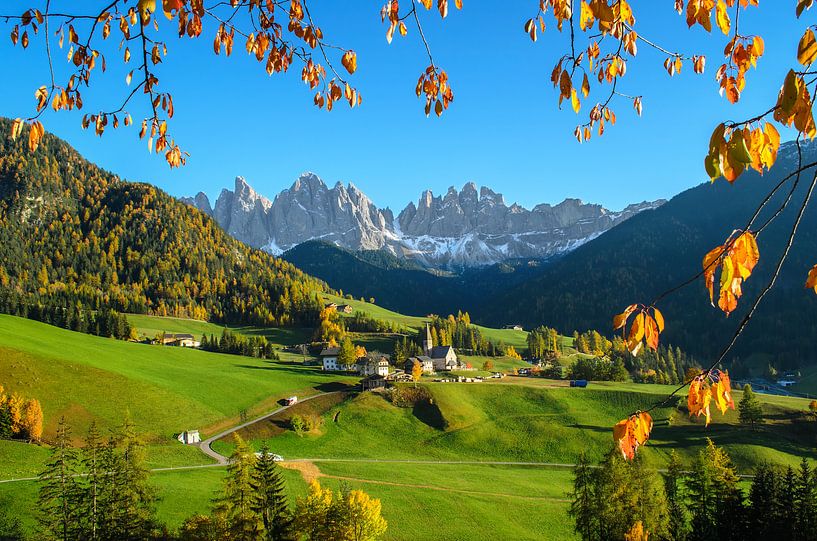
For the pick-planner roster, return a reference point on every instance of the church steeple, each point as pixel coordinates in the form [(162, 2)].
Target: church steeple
[(428, 343)]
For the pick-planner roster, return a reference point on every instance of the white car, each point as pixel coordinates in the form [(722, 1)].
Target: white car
[(275, 458)]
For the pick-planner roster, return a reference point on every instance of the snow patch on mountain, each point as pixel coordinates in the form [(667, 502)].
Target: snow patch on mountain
[(464, 228)]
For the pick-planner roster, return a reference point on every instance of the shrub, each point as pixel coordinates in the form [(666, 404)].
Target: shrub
[(407, 397)]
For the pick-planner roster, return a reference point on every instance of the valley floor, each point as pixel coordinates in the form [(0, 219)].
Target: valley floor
[(480, 461)]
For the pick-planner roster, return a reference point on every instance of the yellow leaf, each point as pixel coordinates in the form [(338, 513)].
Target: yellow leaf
[(722, 17), (659, 319), (574, 100), (807, 48), (585, 86)]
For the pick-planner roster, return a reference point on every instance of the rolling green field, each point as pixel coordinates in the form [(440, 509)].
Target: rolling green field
[(165, 389), (151, 326), (516, 419)]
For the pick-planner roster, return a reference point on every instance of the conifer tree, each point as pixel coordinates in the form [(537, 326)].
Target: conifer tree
[(806, 502), (58, 493), (583, 504), (750, 412), (270, 501), (95, 477), (764, 503), (237, 505), (677, 526), (715, 500), (126, 499)]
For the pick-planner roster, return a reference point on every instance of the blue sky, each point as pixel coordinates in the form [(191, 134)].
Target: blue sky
[(503, 130)]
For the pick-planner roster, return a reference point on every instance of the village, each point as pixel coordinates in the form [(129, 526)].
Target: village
[(377, 368)]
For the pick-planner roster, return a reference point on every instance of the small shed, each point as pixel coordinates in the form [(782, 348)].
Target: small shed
[(189, 437)]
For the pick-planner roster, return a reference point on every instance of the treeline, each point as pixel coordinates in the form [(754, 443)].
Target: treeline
[(20, 418), (60, 312), (620, 500), (236, 344), (76, 235), (102, 492), (458, 332), (544, 343), (363, 322)]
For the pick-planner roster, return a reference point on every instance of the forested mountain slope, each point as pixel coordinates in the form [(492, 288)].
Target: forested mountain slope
[(658, 249), (71, 233)]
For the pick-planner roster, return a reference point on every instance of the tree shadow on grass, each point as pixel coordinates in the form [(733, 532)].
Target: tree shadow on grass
[(796, 439)]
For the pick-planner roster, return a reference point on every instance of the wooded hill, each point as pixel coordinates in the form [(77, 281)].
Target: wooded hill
[(73, 234)]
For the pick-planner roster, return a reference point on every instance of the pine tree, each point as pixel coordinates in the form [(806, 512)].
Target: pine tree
[(715, 501), (126, 499), (270, 500), (92, 461), (583, 501), (236, 506), (764, 503), (58, 489), (677, 527), (750, 412), (806, 502)]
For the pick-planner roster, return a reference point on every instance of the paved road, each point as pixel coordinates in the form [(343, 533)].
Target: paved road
[(206, 448)]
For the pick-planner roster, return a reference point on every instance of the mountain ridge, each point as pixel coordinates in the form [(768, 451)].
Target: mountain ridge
[(461, 229)]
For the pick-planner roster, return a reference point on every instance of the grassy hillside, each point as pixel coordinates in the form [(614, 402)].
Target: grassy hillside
[(150, 326), (165, 389), (523, 419)]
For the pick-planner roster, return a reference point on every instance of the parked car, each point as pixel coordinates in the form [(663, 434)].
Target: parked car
[(578, 383), (275, 458), (291, 400)]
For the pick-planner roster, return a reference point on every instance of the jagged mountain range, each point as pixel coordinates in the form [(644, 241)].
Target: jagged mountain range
[(465, 228)]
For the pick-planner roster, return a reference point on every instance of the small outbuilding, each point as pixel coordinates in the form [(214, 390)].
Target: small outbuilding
[(189, 437)]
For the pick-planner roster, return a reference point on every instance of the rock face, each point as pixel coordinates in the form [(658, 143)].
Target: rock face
[(463, 228)]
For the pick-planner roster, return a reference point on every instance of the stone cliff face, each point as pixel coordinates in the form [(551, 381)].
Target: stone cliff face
[(460, 229)]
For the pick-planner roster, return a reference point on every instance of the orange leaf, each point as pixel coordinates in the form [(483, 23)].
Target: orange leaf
[(621, 319), (811, 281)]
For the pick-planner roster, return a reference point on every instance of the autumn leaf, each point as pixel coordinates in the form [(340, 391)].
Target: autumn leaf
[(632, 433), (811, 281), (349, 61), (807, 48), (620, 320), (574, 100), (722, 17), (722, 392)]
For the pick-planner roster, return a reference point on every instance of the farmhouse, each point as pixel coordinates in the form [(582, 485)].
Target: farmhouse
[(345, 308), (180, 340), (442, 357), (376, 366), (514, 327), (329, 361), (425, 362)]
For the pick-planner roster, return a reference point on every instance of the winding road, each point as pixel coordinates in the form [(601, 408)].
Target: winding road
[(206, 445)]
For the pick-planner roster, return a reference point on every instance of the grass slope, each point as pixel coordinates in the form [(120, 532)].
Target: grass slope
[(165, 389), (150, 326)]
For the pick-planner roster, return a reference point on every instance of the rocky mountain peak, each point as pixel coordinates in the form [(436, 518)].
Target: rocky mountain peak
[(469, 227)]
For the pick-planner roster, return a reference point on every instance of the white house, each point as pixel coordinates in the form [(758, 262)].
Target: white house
[(426, 362), (373, 367), (189, 437), (180, 339)]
